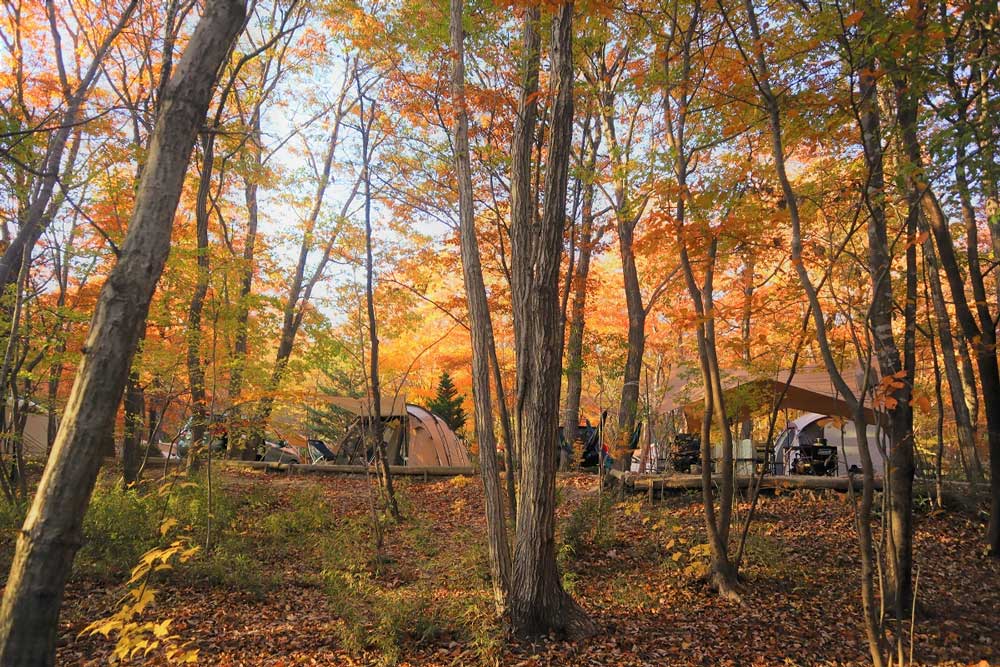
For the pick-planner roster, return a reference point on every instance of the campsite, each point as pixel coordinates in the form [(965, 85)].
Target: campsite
[(500, 332)]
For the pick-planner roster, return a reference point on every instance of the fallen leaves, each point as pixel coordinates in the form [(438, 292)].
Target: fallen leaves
[(800, 589)]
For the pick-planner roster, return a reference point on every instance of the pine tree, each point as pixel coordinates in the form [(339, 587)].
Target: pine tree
[(448, 404)]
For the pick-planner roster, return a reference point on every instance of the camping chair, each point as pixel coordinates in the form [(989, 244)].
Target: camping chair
[(319, 452)]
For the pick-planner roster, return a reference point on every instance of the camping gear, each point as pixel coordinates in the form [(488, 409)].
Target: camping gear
[(35, 436), (685, 452), (416, 437), (814, 429), (588, 437), (808, 388), (818, 459), (319, 452)]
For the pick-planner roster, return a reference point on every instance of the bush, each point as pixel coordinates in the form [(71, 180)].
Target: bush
[(592, 521), (120, 525)]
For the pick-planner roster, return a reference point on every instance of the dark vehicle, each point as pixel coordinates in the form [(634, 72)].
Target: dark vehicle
[(273, 450)]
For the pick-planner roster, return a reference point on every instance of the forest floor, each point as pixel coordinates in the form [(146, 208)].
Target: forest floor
[(291, 578)]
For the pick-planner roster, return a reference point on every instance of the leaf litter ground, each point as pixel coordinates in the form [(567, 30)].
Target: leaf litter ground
[(294, 582)]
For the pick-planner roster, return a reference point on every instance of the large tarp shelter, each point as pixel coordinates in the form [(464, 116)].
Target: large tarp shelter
[(808, 389)]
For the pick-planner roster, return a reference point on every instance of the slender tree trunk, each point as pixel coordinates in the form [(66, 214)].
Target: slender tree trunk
[(938, 397), (523, 215), (956, 387), (240, 343), (757, 63), (481, 327), (378, 426), (538, 603), (898, 405), (629, 404), (51, 534), (746, 425), (509, 443), (574, 345), (196, 372), (135, 413)]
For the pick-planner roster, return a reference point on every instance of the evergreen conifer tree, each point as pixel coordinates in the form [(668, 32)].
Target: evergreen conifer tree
[(449, 404)]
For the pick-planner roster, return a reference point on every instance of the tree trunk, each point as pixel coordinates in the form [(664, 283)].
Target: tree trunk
[(378, 426), (963, 420), (135, 413), (250, 187), (523, 216), (509, 443), (51, 534), (897, 402), (629, 404), (196, 372), (538, 603), (481, 327), (574, 345), (746, 425)]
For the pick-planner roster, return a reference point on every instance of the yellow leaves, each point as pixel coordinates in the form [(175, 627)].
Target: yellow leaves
[(143, 598), (161, 629), (137, 638), (167, 525)]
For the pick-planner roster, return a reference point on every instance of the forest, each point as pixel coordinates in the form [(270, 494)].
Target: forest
[(424, 332)]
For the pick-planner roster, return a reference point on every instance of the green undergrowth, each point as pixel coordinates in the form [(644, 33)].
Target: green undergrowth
[(429, 594)]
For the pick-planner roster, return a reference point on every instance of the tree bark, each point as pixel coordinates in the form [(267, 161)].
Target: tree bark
[(538, 603), (135, 413), (196, 372), (481, 326), (523, 216), (52, 531), (897, 405)]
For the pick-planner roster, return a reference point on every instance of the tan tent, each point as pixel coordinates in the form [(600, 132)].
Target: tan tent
[(431, 442), (35, 439), (426, 439)]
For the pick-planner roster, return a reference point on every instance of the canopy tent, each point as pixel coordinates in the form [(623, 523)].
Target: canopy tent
[(414, 436), (809, 389), (838, 433)]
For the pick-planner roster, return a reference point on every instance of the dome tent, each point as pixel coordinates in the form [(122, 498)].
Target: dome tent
[(413, 436), (839, 433)]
